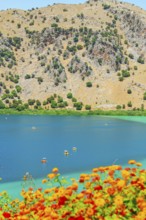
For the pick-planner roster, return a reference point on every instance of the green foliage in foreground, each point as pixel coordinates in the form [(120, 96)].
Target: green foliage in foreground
[(74, 112)]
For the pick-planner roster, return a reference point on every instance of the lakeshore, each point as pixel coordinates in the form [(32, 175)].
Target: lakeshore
[(73, 112)]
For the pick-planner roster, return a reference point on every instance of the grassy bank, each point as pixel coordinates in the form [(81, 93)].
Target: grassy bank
[(73, 112)]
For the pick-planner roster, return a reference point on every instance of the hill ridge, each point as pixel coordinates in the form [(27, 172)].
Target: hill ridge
[(84, 56)]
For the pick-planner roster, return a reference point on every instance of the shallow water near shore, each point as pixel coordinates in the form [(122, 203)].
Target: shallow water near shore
[(141, 119), (14, 188), (25, 140)]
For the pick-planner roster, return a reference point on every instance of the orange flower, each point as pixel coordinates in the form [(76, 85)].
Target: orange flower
[(74, 186), (132, 162), (51, 175), (90, 212), (46, 191), (84, 175), (121, 184), (44, 181), (88, 191), (100, 202), (111, 191), (111, 173), (68, 192), (80, 195), (118, 200), (87, 185), (55, 170), (125, 174), (95, 170), (139, 164)]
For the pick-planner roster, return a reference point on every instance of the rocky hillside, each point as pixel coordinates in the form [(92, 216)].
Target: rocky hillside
[(85, 56)]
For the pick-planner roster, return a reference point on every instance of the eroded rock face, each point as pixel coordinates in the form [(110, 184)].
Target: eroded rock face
[(77, 65), (57, 71), (134, 27)]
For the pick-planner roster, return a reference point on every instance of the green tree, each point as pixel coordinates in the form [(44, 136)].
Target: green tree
[(74, 99), (140, 60), (89, 84), (144, 96), (125, 73), (31, 101), (129, 104), (69, 95), (88, 107), (53, 104), (18, 88), (78, 105), (2, 105), (129, 91)]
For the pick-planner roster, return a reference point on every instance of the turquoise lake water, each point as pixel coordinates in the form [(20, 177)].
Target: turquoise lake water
[(25, 140)]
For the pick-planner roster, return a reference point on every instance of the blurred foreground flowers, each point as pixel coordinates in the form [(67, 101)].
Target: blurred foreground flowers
[(108, 193)]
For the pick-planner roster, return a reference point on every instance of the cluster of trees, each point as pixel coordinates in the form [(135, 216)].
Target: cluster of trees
[(7, 58)]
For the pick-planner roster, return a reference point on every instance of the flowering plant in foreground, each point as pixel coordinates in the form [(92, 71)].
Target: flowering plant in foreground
[(108, 193)]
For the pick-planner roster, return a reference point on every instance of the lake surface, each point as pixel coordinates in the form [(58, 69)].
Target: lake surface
[(25, 140)]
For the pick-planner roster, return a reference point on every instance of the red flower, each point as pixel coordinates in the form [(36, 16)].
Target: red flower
[(76, 218), (66, 214), (97, 178), (123, 213), (80, 218), (40, 189), (81, 180), (132, 174), (54, 206), (127, 168), (98, 187), (133, 182), (111, 191), (62, 200), (141, 186), (6, 214), (30, 188)]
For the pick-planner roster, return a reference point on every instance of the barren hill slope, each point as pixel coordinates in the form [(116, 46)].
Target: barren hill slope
[(84, 56)]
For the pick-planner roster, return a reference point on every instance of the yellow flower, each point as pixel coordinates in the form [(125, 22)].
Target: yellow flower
[(94, 170), (118, 200), (54, 215), (139, 164), (125, 174), (51, 175), (87, 178), (80, 195), (44, 181), (88, 191), (83, 175), (87, 185), (61, 190), (46, 191), (131, 161), (121, 183), (55, 170), (100, 202), (142, 178)]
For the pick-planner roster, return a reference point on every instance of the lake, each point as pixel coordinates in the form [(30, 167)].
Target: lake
[(25, 140)]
